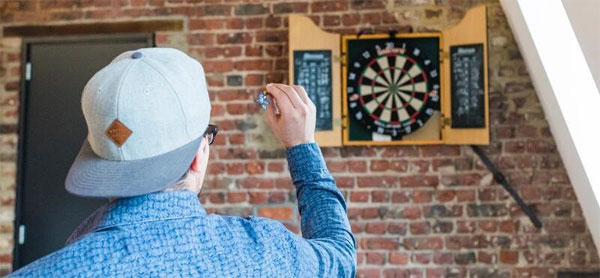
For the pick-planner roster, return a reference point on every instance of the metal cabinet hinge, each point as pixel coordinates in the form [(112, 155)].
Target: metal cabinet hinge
[(445, 121)]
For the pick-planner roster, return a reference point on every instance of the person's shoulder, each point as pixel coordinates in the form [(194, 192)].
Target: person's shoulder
[(56, 264), (73, 260)]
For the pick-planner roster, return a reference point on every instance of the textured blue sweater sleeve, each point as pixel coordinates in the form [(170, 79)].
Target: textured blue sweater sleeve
[(324, 224)]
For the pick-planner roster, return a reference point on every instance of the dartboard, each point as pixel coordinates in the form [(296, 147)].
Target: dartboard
[(393, 85)]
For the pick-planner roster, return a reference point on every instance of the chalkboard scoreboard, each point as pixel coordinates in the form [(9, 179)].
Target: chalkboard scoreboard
[(467, 86), (312, 70)]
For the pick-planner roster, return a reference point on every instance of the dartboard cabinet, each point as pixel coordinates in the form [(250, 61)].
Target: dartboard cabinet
[(392, 88)]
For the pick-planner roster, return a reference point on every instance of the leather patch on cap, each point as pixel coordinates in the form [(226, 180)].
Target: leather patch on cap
[(118, 133)]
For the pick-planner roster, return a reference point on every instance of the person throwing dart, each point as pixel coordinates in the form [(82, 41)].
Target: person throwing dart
[(147, 150)]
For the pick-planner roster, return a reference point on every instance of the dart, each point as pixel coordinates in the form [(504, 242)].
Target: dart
[(262, 100)]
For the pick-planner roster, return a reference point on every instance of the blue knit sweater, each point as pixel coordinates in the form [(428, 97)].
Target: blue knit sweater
[(169, 234)]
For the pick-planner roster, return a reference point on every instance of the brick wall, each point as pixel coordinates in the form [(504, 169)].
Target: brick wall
[(425, 211)]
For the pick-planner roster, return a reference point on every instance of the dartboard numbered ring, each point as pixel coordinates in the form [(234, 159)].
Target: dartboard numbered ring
[(392, 85)]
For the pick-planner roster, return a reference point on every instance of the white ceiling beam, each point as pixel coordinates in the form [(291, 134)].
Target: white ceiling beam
[(567, 92)]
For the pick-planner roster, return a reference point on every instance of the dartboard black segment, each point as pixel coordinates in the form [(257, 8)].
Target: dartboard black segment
[(392, 85)]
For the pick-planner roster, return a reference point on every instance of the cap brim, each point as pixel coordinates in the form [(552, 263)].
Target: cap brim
[(93, 176)]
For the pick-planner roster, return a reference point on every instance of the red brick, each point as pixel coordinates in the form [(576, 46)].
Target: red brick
[(370, 213), (331, 20), (400, 197), (375, 258), (217, 66), (227, 95), (485, 257), (379, 165), (273, 21), (461, 179), (420, 166), (283, 213), (201, 39), (328, 6), (271, 36), (420, 228), (254, 168), (509, 257), (290, 7), (509, 226), (336, 166), (275, 167), (399, 258), (237, 139), (376, 228), (360, 197), (371, 18), (445, 195), (419, 181), (379, 196), (254, 80), (235, 23), (357, 166), (254, 182), (465, 195), (216, 168), (236, 108), (380, 181), (421, 258), (397, 228), (350, 19), (236, 197), (411, 212), (277, 197), (275, 77), (465, 226), (344, 182), (253, 23), (274, 50), (379, 243), (423, 243), (234, 38), (257, 197), (440, 150), (253, 65), (205, 24), (422, 196), (217, 198), (235, 168)]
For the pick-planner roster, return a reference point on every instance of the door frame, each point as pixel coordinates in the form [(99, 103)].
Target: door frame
[(23, 104)]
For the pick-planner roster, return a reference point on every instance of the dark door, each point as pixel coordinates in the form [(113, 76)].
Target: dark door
[(52, 131)]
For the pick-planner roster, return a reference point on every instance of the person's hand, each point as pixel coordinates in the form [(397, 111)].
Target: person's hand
[(295, 122)]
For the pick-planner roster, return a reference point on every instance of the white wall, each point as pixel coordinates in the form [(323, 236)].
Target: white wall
[(584, 16), (567, 91)]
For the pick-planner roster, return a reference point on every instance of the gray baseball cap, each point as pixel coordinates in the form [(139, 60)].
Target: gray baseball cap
[(146, 113)]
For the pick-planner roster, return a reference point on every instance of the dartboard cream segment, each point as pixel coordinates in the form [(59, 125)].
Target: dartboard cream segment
[(386, 115), (414, 102), (371, 74), (399, 64), (420, 87), (367, 90), (414, 71), (384, 65), (372, 105), (402, 115)]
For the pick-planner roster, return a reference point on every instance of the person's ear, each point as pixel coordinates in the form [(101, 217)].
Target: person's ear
[(195, 166)]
